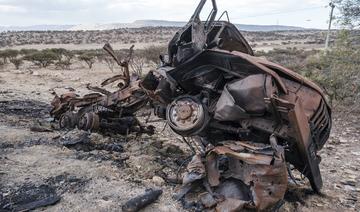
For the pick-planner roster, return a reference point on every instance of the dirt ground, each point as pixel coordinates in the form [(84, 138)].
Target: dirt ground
[(102, 177)]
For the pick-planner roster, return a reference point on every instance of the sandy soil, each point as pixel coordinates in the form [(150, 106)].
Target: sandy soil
[(100, 180)]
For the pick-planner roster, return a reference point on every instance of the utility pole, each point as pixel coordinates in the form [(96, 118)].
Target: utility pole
[(332, 5)]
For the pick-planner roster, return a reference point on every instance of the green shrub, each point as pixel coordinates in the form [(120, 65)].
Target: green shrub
[(336, 70), (88, 58), (340, 71), (63, 57), (63, 64), (152, 53), (42, 58), (8, 54), (25, 52), (292, 58)]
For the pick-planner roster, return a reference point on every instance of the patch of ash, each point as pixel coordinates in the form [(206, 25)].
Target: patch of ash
[(25, 108), (30, 196), (27, 197), (66, 183), (26, 143), (94, 147)]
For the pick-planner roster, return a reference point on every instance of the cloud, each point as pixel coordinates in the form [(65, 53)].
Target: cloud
[(10, 8), (109, 11), (55, 5)]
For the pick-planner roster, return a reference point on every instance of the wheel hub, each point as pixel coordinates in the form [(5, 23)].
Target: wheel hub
[(186, 115)]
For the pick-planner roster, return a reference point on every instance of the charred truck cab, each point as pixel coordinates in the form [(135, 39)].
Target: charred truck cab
[(213, 87)]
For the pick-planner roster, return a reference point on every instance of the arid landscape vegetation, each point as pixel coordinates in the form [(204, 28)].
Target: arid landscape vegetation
[(83, 171)]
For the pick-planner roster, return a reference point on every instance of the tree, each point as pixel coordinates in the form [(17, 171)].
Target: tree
[(17, 62), (8, 54), (43, 58), (137, 64), (63, 57), (3, 57), (88, 58), (350, 12)]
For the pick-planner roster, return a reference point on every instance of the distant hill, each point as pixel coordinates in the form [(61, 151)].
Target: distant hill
[(138, 24), (36, 28), (157, 23)]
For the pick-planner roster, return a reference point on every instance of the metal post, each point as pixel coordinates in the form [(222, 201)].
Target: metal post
[(332, 5)]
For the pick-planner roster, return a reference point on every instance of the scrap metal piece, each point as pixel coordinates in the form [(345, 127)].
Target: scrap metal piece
[(97, 89), (255, 177), (61, 104), (305, 145), (196, 170), (266, 176), (142, 201), (125, 64), (113, 79)]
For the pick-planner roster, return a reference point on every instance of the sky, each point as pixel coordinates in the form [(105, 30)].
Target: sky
[(304, 13)]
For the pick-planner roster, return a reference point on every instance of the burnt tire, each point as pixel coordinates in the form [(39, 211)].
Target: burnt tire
[(89, 121), (68, 120)]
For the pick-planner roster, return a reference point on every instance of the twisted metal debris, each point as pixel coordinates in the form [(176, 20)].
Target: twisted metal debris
[(251, 116)]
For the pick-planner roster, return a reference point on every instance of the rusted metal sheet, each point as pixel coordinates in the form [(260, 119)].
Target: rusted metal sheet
[(305, 144), (258, 175)]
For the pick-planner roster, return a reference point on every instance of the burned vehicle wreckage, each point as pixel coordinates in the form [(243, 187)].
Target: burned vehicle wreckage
[(252, 118)]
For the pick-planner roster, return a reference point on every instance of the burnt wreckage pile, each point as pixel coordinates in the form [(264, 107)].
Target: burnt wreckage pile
[(251, 117), (104, 110)]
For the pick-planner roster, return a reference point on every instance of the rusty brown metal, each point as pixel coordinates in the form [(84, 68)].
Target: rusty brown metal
[(104, 109), (305, 144), (260, 169)]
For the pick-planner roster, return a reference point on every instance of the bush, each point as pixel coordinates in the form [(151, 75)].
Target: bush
[(340, 71), (152, 53), (8, 54), (63, 57), (137, 64), (336, 70), (88, 58), (17, 62), (292, 58), (63, 64), (42, 58), (25, 52)]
